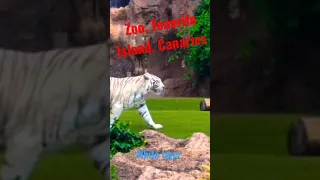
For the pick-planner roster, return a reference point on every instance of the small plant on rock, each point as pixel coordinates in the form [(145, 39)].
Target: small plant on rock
[(123, 139), (114, 172)]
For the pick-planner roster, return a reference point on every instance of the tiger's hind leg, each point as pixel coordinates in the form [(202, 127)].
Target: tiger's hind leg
[(20, 156)]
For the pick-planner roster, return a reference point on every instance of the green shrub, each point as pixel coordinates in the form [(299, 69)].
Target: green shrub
[(114, 172), (197, 58), (122, 139)]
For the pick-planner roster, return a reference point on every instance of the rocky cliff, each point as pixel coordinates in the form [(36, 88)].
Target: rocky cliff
[(240, 85), (31, 25), (141, 12)]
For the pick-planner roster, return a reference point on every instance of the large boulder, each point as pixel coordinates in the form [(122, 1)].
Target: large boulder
[(195, 152)]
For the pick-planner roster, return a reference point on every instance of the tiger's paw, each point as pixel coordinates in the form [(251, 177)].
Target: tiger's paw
[(157, 126)]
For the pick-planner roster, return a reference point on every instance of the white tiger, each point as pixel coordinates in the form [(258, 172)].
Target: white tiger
[(128, 92), (50, 100)]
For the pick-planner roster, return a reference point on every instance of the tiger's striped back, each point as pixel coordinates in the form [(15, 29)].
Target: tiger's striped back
[(122, 89), (44, 92)]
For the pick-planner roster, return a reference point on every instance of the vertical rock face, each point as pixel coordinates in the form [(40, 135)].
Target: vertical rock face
[(141, 12), (23, 25), (29, 25)]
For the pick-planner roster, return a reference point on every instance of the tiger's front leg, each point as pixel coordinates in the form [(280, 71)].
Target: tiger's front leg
[(100, 153), (145, 114)]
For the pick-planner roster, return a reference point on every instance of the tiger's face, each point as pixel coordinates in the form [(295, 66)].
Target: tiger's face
[(155, 84)]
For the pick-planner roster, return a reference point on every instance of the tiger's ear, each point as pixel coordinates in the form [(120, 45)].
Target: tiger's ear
[(146, 76)]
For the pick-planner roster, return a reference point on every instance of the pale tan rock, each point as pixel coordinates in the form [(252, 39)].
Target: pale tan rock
[(195, 152)]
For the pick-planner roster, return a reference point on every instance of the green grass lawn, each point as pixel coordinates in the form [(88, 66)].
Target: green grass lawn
[(253, 147), (180, 118)]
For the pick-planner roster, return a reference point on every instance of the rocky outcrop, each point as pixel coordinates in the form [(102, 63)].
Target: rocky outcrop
[(195, 152), (141, 12)]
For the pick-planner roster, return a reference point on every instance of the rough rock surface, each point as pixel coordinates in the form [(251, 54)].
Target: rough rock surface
[(30, 24), (141, 12), (173, 87), (195, 152)]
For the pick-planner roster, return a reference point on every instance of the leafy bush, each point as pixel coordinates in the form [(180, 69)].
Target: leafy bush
[(197, 57), (122, 139), (114, 172), (207, 174), (292, 28)]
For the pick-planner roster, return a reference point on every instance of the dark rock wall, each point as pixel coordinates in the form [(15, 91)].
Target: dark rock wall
[(118, 3), (28, 25)]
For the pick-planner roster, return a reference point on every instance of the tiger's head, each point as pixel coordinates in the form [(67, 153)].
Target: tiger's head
[(154, 84)]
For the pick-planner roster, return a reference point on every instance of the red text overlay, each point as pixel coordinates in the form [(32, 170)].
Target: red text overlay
[(162, 44)]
